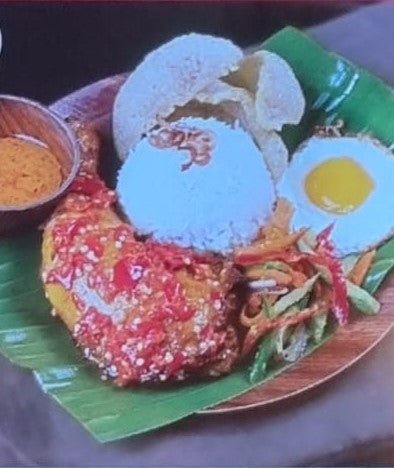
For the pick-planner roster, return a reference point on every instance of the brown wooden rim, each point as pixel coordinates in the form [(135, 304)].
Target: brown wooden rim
[(234, 409)]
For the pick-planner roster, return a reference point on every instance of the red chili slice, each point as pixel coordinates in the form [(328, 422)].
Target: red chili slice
[(93, 243), (122, 279), (324, 235), (326, 256), (87, 186)]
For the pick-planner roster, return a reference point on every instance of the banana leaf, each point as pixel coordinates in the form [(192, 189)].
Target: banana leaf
[(30, 337)]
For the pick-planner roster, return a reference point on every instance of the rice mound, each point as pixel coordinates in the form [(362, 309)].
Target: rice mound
[(214, 207), (168, 77)]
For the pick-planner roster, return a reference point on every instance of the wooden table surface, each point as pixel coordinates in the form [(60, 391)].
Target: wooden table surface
[(349, 420)]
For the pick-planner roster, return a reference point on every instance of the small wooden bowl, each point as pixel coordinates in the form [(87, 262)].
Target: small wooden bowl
[(23, 117)]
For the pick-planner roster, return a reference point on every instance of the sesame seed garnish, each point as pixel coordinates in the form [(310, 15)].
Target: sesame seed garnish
[(91, 256), (217, 304), (168, 358), (112, 371), (136, 272)]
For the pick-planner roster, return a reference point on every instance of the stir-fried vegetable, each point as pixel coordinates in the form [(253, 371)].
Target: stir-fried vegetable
[(294, 296), (360, 269), (348, 263), (296, 345), (296, 283), (318, 325), (362, 300), (265, 352)]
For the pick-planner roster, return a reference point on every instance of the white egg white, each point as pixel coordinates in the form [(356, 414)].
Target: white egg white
[(370, 223)]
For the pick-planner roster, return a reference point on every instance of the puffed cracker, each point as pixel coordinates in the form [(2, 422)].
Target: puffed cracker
[(168, 77), (277, 93), (273, 149)]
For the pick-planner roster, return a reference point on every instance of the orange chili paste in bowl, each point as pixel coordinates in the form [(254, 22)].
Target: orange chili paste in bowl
[(29, 172)]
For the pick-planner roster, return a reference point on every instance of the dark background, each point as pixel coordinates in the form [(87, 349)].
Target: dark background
[(52, 49)]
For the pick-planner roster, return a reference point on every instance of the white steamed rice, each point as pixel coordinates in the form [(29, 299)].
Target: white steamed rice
[(215, 207)]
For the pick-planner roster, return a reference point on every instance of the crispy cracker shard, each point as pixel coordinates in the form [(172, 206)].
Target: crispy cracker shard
[(210, 77), (278, 98)]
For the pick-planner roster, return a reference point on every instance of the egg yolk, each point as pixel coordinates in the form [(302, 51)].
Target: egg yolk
[(338, 185)]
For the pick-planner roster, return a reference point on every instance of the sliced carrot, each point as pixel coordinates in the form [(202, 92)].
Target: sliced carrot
[(285, 241), (298, 278), (279, 276), (279, 245), (251, 250), (252, 256), (282, 215), (258, 272), (361, 268), (271, 235), (259, 329), (255, 272), (250, 321)]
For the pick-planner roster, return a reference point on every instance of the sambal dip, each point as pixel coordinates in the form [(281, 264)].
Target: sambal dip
[(29, 171)]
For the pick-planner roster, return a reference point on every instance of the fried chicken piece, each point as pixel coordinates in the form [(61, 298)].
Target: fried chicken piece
[(142, 311)]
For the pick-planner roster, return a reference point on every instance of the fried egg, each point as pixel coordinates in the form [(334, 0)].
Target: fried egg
[(348, 181)]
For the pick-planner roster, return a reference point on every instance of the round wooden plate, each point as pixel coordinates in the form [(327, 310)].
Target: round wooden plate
[(93, 104)]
